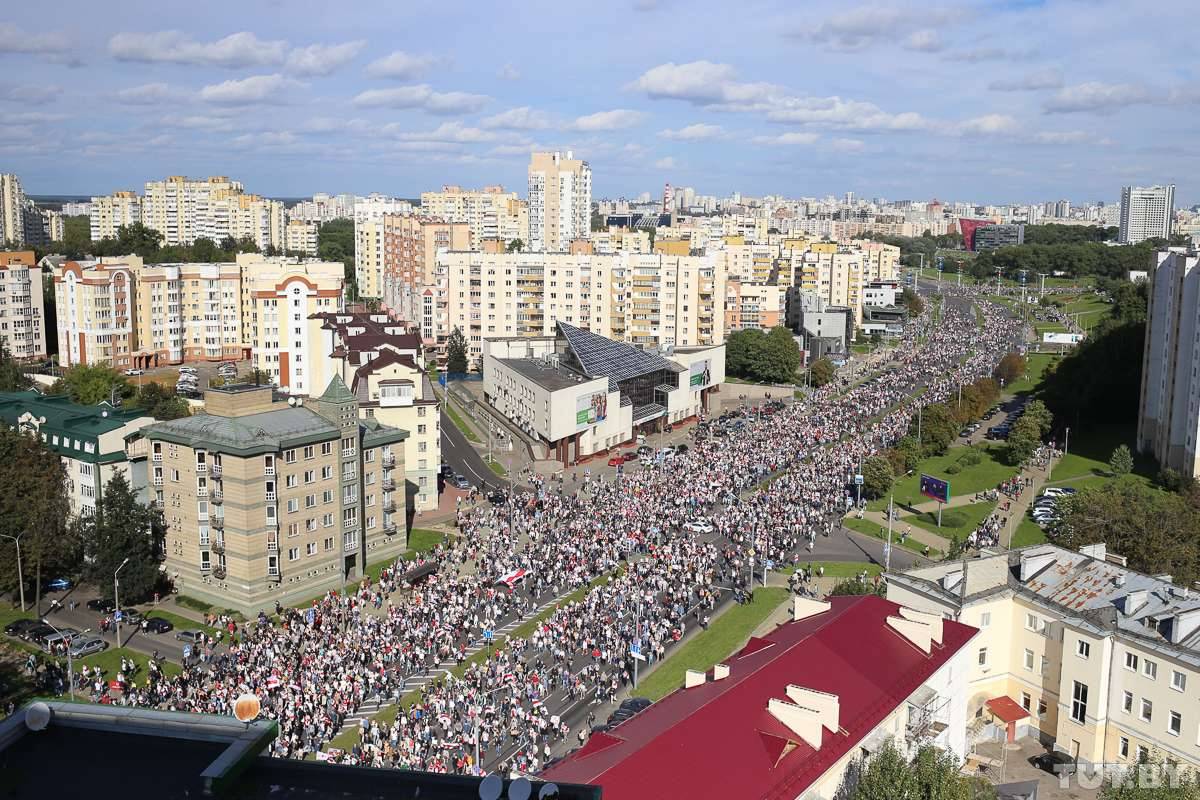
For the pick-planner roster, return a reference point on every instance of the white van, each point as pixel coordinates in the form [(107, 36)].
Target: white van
[(187, 371)]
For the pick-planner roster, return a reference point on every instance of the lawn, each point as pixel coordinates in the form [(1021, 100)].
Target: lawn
[(724, 635), (839, 569), (460, 424), (1088, 452), (420, 540), (497, 468), (871, 528), (180, 623), (968, 480), (1036, 365), (1028, 533), (1041, 327), (960, 521)]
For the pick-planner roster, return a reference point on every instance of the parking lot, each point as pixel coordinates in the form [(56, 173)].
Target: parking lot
[(204, 372)]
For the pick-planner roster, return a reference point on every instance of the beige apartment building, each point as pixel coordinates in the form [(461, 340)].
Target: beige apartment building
[(300, 236), (837, 273), (651, 299), (243, 216), (269, 501), (187, 312), (1102, 660), (410, 247), (615, 241), (560, 201), (488, 213), (111, 212), (12, 210), (96, 307), (752, 263), (368, 257), (22, 311), (176, 206), (754, 305)]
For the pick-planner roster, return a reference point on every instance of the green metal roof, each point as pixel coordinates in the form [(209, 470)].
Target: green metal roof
[(69, 420)]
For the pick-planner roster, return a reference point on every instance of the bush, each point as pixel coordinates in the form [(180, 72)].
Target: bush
[(971, 458), (952, 469)]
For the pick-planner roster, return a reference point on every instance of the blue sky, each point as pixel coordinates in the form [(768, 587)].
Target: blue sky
[(992, 102)]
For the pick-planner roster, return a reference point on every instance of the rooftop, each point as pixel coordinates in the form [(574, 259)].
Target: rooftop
[(604, 358), (732, 744), (550, 375)]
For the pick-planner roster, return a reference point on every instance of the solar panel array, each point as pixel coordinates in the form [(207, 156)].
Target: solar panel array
[(615, 360)]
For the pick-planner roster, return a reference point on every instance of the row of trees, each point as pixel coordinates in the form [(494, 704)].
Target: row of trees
[(770, 357), (35, 507), (934, 774), (1075, 259), (137, 239), (92, 384)]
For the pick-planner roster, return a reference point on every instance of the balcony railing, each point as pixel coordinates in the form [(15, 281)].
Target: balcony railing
[(201, 491), (218, 497), (215, 469), (390, 528), (218, 546), (201, 469), (219, 573), (158, 481), (272, 545), (217, 522), (389, 485), (388, 461), (389, 506)]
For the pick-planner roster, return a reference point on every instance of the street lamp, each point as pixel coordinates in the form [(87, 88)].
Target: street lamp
[(117, 599), (70, 664), (20, 575)]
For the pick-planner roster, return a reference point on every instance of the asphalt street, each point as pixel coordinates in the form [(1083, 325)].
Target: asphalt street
[(464, 459)]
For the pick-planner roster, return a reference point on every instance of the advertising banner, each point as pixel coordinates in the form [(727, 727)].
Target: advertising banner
[(935, 488), (590, 409), (701, 375), (1062, 338)]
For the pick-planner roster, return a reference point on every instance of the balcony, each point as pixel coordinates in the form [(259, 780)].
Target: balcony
[(218, 546), (201, 491), (389, 505), (219, 573), (215, 469), (158, 481), (218, 497), (202, 469), (390, 528), (388, 485), (218, 523), (388, 461)]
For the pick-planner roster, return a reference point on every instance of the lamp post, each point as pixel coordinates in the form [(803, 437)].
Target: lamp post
[(20, 574), (117, 599), (70, 664)]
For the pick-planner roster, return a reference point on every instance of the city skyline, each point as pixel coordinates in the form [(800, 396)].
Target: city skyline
[(883, 100)]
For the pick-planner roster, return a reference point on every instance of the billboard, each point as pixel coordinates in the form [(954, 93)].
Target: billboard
[(701, 375), (590, 409), (1062, 338), (935, 488)]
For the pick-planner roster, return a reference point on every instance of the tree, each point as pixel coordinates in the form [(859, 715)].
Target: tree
[(1164, 783), (515, 246), (123, 528), (779, 357), (160, 403), (913, 302), (137, 239), (885, 776), (206, 250), (821, 372), (247, 244), (1039, 415), (92, 384), (1086, 389), (876, 337), (857, 586), (1023, 439), (936, 428), (1011, 367), (456, 352), (877, 476), (738, 349), (1121, 461), (12, 379), (939, 777)]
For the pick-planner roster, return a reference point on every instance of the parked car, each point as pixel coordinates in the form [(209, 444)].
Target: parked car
[(133, 372), (188, 371), (87, 646), (698, 526), (1055, 761), (58, 584), (190, 637), (37, 632), (100, 605), (158, 625), (630, 456), (460, 482), (131, 616), (645, 450), (18, 627), (1057, 491), (616, 461), (447, 471), (497, 498)]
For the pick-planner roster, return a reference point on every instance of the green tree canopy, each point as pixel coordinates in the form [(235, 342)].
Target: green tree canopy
[(1011, 367), (123, 528), (877, 476), (769, 356), (821, 372), (1121, 460), (456, 352), (92, 384), (12, 379), (160, 403)]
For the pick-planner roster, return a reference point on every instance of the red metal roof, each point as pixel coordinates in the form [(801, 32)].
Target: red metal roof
[(718, 740), (1006, 709)]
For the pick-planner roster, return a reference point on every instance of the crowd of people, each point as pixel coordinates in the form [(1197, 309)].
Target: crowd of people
[(613, 560)]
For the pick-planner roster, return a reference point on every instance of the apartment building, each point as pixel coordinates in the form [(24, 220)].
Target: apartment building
[(270, 501), (280, 297), (1146, 213), (22, 312), (560, 201), (615, 241), (754, 305), (12, 210), (110, 213), (177, 207), (300, 236), (410, 247), (648, 299), (837, 273), (1169, 405), (96, 306), (488, 213), (368, 240), (1099, 659), (323, 208), (90, 440), (187, 312), (752, 263), (244, 216)]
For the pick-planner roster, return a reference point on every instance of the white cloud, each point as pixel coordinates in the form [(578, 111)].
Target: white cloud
[(703, 83), (1062, 137), (17, 40), (792, 138), (266, 139), (1100, 97), (203, 122), (454, 131), (834, 112), (517, 149), (337, 125), (665, 163), (522, 118), (509, 73), (242, 49), (423, 97), (695, 132), (322, 59), (847, 145), (400, 66), (925, 41), (615, 120), (255, 89), (32, 118), (866, 25), (1048, 78), (162, 140), (148, 94), (988, 125), (34, 94)]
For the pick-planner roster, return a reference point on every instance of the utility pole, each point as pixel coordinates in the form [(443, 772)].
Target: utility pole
[(887, 550), (20, 574), (117, 599), (1042, 275)]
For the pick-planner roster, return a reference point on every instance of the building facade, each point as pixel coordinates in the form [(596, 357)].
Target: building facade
[(22, 311), (90, 440), (269, 502), (187, 312), (178, 207), (560, 201), (1146, 213), (368, 240), (112, 212), (750, 305), (410, 247), (12, 210), (488, 213), (992, 237), (300, 236), (96, 306)]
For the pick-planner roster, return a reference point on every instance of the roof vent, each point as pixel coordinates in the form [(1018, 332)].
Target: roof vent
[(1119, 580), (693, 677), (1033, 563), (951, 580), (918, 633), (805, 607), (932, 620), (1134, 601)]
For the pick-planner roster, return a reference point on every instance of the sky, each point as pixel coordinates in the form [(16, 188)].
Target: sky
[(988, 102)]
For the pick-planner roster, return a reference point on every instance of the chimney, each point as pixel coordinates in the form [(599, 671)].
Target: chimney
[(693, 677), (823, 704), (1033, 563), (1184, 625), (951, 580), (720, 672), (1097, 551), (803, 722), (1134, 601), (805, 607)]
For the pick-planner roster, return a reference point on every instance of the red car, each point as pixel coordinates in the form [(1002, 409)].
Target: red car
[(616, 461), (631, 456)]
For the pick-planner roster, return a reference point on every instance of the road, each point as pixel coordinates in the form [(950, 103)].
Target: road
[(464, 459)]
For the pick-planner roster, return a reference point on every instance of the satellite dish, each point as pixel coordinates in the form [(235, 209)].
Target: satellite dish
[(246, 708), (520, 789), (291, 401), (548, 792), (38, 717), (491, 787)]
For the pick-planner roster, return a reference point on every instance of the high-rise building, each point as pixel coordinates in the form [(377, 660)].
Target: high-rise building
[(111, 212), (368, 240), (12, 210), (489, 213), (22, 314), (410, 249), (301, 237), (560, 201), (323, 208), (175, 206), (1169, 408), (187, 312), (95, 303), (268, 502), (1146, 212)]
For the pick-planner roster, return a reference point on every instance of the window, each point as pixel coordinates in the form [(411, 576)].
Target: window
[(1147, 710), (1026, 701), (1150, 668), (327, 521), (1178, 680), (327, 496), (1124, 748), (311, 548), (309, 476), (289, 456), (310, 500), (1029, 660), (1031, 622), (293, 529), (326, 473), (326, 448), (983, 656), (1127, 702), (1174, 723), (1143, 754), (1131, 661), (1041, 707), (289, 481), (1083, 649), (293, 554), (985, 619), (309, 452), (1079, 698), (293, 505)]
